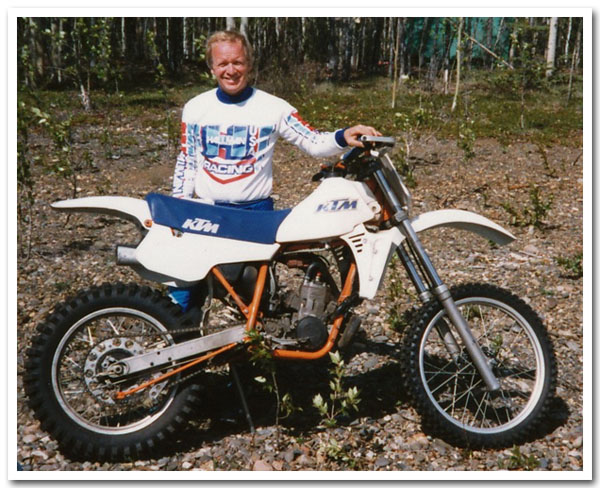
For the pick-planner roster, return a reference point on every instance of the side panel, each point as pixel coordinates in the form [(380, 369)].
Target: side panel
[(372, 252), (333, 209), (189, 257)]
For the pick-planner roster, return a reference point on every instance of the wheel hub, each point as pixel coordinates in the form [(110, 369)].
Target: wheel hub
[(102, 362)]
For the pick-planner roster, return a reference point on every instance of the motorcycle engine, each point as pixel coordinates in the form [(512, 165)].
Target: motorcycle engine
[(311, 331), (299, 313)]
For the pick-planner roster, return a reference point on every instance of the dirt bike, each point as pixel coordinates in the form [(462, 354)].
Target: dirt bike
[(114, 372)]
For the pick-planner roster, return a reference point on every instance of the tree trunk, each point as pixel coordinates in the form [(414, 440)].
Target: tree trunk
[(56, 48), (448, 41), (513, 43), (332, 49), (130, 40), (568, 38), (161, 40), (458, 62), (346, 48), (389, 45), (489, 27), (402, 54), (423, 43), (175, 44), (551, 51), (396, 53), (574, 60), (244, 26), (230, 23)]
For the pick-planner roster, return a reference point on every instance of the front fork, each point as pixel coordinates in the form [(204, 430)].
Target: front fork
[(437, 287), (441, 292)]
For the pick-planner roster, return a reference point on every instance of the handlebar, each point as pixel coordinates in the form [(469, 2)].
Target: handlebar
[(369, 143), (342, 167)]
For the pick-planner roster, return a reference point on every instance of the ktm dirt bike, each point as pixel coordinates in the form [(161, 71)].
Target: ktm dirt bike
[(113, 372)]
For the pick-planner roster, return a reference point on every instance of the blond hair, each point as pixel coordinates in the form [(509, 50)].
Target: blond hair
[(229, 36)]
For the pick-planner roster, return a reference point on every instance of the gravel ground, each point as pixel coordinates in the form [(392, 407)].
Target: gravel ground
[(385, 435)]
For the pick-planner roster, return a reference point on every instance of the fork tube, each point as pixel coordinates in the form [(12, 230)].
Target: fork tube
[(423, 291), (425, 295), (390, 196), (443, 295)]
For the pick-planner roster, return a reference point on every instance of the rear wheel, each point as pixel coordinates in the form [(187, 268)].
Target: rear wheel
[(449, 392), (66, 379)]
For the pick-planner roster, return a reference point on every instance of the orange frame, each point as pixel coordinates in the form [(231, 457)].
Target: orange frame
[(251, 313)]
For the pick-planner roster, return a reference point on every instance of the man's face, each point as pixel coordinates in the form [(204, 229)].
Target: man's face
[(230, 66)]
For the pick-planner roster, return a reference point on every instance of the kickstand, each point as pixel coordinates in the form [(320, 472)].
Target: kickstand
[(236, 378)]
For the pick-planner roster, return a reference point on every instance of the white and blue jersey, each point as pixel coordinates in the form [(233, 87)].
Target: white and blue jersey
[(227, 144)]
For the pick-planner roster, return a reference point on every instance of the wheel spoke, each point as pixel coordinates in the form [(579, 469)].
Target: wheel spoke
[(450, 379), (87, 398), (454, 386)]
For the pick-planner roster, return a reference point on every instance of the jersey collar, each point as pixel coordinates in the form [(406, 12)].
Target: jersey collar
[(244, 95)]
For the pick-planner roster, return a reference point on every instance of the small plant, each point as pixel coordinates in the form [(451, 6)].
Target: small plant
[(572, 264), (262, 358), (551, 172), (534, 214), (518, 460), (336, 452), (410, 127), (395, 291), (466, 139), (539, 206), (341, 401)]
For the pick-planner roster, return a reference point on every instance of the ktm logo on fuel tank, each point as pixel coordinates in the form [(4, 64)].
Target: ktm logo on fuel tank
[(337, 205)]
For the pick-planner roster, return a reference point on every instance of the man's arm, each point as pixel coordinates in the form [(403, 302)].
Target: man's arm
[(321, 144), (186, 167)]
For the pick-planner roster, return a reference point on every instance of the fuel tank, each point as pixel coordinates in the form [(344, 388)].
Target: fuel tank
[(335, 208)]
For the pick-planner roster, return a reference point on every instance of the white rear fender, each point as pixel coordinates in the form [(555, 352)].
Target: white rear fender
[(132, 209), (461, 219)]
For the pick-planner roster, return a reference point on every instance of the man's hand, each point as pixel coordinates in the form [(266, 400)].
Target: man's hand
[(352, 134)]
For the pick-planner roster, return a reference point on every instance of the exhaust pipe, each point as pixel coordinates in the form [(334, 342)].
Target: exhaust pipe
[(126, 256)]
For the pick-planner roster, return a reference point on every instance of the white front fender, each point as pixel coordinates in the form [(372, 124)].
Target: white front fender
[(132, 209), (373, 251), (461, 219)]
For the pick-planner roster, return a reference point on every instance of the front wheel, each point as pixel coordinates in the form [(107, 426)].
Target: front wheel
[(448, 391)]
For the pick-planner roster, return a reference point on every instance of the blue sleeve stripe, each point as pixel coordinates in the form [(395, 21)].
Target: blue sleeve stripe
[(339, 138)]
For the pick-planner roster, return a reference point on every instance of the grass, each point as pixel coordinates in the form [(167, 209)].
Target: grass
[(490, 112), (494, 114)]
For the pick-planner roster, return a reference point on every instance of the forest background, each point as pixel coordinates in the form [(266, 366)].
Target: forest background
[(466, 77)]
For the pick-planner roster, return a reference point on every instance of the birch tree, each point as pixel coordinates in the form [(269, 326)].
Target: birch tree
[(551, 50), (458, 62)]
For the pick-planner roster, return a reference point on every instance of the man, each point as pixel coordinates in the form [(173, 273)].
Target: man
[(229, 133)]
